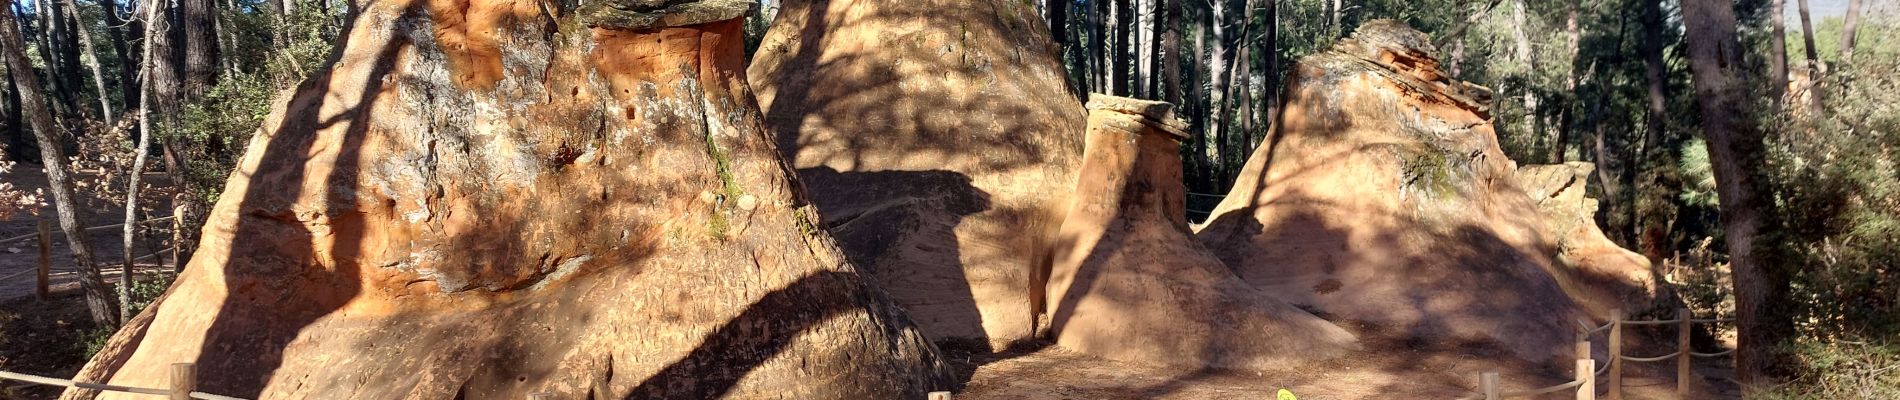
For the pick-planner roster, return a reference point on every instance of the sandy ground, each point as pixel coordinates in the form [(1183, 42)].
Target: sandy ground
[(1389, 368), (18, 258)]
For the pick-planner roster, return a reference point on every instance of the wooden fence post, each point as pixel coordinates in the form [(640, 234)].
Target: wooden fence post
[(1616, 354), (1488, 382), (41, 285), (1683, 349), (1583, 346), (184, 380), (939, 396), (178, 235), (1586, 373)]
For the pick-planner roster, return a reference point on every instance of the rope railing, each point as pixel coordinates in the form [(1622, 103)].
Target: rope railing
[(183, 384), (1546, 390), (1650, 359), (1490, 388), (88, 229), (1587, 370), (1715, 354), (43, 276)]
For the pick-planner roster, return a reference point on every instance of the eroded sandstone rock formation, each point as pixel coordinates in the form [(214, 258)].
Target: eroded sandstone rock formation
[(488, 199), (1620, 277), (938, 142), (1131, 283), (1381, 196)]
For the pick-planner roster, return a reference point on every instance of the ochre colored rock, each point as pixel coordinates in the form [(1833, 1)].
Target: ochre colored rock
[(1131, 283), (939, 144), (1625, 278), (1381, 196), (478, 200)]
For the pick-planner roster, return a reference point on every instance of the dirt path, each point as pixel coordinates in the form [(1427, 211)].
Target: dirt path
[(18, 258), (1388, 368)]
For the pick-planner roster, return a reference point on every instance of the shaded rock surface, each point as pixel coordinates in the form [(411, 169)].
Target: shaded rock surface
[(482, 200), (1623, 278), (939, 144), (1381, 196), (1130, 282)]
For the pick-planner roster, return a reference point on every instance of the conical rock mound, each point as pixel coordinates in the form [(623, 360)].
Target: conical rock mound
[(1381, 196), (491, 199), (939, 144), (1131, 283)]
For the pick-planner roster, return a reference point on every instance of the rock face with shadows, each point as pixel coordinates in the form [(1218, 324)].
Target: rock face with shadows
[(939, 143), (1560, 192), (1381, 197), (489, 199), (1131, 283)]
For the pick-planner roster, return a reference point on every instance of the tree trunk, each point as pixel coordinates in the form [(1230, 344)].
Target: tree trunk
[(156, 27), (1218, 77), (1270, 77), (1735, 153), (1196, 95), (509, 295), (128, 80), (1777, 51), (1158, 26), (280, 37), (1059, 25), (1169, 51), (1124, 48), (92, 62), (1333, 18), (1098, 46), (1559, 137), (1521, 50), (1850, 24), (66, 52), (49, 55), (98, 295), (165, 82), (1242, 91), (201, 45), (1654, 72), (1815, 65)]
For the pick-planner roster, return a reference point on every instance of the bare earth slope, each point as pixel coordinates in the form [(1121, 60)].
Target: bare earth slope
[(481, 200), (938, 142)]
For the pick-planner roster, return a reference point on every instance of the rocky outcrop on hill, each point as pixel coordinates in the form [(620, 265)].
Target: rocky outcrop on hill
[(1131, 283), (939, 143), (490, 199), (1381, 196)]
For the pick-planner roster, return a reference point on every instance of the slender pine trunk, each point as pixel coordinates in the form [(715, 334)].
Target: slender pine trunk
[(1815, 66), (92, 62), (99, 300), (156, 27), (1850, 24)]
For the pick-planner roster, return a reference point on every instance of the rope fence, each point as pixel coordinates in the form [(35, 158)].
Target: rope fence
[(88, 229), (43, 274), (1586, 370), (183, 376)]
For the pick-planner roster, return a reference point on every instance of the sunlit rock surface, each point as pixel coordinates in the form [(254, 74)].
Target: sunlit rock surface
[(1381, 197), (483, 200), (1131, 283), (939, 144)]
